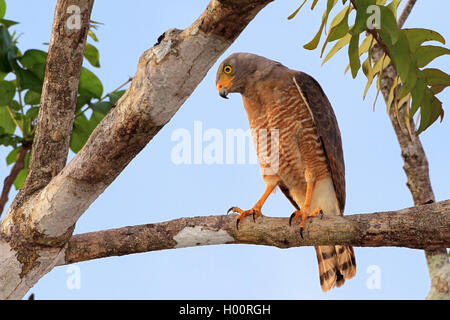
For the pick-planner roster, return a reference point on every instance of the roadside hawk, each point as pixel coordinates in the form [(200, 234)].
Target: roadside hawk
[(290, 115)]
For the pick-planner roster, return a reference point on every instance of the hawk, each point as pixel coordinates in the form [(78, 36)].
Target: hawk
[(289, 114)]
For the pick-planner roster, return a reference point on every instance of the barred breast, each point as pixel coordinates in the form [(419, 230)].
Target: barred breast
[(285, 137)]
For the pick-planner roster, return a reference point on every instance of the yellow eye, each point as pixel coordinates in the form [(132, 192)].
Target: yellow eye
[(227, 69)]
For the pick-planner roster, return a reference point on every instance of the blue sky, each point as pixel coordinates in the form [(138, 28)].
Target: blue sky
[(153, 189)]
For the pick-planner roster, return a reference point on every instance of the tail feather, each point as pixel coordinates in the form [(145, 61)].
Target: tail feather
[(336, 264), (346, 261)]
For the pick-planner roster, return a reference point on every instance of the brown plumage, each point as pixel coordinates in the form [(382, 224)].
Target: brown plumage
[(298, 144)]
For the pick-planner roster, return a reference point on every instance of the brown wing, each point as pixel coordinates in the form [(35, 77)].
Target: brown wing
[(328, 130)]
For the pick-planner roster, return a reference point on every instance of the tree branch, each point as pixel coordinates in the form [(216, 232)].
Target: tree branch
[(417, 172), (59, 96), (9, 180), (405, 13), (36, 229), (417, 227)]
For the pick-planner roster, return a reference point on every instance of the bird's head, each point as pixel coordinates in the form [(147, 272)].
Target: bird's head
[(235, 72)]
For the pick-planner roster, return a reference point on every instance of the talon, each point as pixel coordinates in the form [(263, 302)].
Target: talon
[(231, 209), (253, 216), (321, 214), (237, 223), (290, 218), (301, 232)]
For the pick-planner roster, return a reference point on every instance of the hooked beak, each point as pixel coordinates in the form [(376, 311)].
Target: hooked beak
[(223, 93), (223, 86)]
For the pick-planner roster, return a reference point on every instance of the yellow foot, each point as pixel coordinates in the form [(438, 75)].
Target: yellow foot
[(255, 212), (304, 214)]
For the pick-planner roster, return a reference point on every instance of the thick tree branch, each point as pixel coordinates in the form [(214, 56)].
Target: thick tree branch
[(417, 227), (59, 95), (36, 228)]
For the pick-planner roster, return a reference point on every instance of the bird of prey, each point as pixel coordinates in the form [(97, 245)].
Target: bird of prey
[(288, 110)]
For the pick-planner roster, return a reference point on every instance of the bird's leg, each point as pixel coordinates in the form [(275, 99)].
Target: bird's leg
[(304, 212), (256, 210)]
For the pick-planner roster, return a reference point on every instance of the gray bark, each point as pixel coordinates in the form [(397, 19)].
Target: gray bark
[(417, 227)]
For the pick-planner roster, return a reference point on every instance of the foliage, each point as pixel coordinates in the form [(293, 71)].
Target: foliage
[(21, 81), (375, 22)]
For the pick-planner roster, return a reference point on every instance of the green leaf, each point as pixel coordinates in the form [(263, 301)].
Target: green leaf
[(362, 16), (82, 129), (12, 156), (400, 52), (368, 71), (82, 100), (315, 41), (32, 113), (32, 57), (417, 94), (90, 85), (7, 23), (366, 45), (6, 122), (20, 179), (35, 60), (389, 24), (437, 88), (8, 139), (2, 8), (95, 119), (32, 98), (410, 81), (341, 28), (7, 92), (102, 107), (426, 54), (430, 111), (338, 46), (28, 80), (381, 64), (14, 105), (92, 35), (115, 96), (436, 77), (7, 50), (418, 36), (92, 55), (77, 139), (393, 6), (338, 27), (353, 54), (392, 92), (292, 15)]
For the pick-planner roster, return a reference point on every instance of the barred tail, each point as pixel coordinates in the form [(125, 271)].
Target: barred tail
[(336, 264)]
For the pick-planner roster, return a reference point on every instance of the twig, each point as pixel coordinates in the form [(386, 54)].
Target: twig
[(9, 180), (405, 13), (104, 97), (11, 113)]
